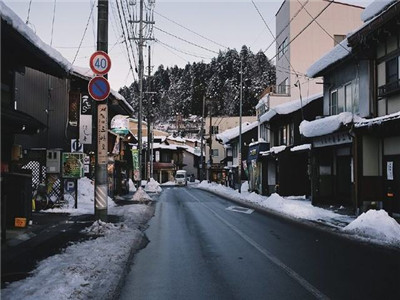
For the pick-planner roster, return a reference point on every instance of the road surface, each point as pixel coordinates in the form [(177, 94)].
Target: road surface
[(205, 247)]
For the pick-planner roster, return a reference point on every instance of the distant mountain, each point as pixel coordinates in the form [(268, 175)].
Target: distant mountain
[(181, 90)]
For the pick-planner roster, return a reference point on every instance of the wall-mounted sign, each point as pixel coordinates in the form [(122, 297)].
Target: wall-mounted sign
[(389, 170), (76, 146), (332, 139)]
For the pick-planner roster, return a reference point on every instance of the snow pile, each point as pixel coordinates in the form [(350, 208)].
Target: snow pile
[(378, 120), (15, 22), (326, 125), (83, 270), (376, 224), (297, 208), (141, 195), (339, 52), (85, 199), (232, 133), (168, 183), (153, 186), (102, 228), (277, 149), (374, 9)]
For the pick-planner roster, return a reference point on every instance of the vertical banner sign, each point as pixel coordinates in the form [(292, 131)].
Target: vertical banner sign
[(135, 160), (102, 133), (85, 121)]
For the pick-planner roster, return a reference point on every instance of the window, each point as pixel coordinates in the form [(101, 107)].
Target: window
[(283, 87), (333, 103), (282, 136), (338, 38), (291, 133), (214, 129), (282, 49), (348, 98), (392, 70), (392, 76), (214, 152)]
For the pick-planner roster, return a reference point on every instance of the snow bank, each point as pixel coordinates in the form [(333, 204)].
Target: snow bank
[(153, 186), (83, 270), (374, 9), (377, 225), (132, 187), (326, 125)]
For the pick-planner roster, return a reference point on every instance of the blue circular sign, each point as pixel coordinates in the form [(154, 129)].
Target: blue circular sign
[(99, 88)]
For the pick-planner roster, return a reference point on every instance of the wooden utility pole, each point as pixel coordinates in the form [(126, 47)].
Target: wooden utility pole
[(149, 108), (210, 154), (202, 141), (101, 182), (240, 128)]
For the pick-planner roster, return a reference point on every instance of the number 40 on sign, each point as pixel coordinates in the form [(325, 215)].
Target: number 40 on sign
[(100, 63)]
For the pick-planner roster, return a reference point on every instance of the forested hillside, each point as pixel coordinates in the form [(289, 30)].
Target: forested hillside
[(181, 90)]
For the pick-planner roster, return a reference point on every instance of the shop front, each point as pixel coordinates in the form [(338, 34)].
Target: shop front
[(256, 171)]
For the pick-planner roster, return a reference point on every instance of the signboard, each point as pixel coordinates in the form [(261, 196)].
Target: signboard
[(99, 88), (76, 146), (70, 189), (85, 121), (72, 165), (102, 134), (135, 161), (389, 170), (332, 139), (100, 63)]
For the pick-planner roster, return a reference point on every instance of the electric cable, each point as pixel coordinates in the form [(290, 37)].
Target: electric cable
[(84, 33), (181, 51), (157, 13), (29, 12), (52, 24), (186, 41)]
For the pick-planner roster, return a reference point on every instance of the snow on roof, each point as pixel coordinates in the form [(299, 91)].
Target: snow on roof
[(177, 139), (192, 150), (288, 107), (375, 9), (261, 140), (275, 149), (262, 101), (301, 147), (15, 22), (232, 133), (167, 147), (378, 120), (327, 125), (339, 52)]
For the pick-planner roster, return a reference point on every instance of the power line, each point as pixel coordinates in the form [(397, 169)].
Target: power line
[(126, 44), (84, 33), (333, 38), (186, 41), (329, 3), (287, 25), (52, 24), (185, 60), (29, 12), (127, 30), (181, 51), (191, 31)]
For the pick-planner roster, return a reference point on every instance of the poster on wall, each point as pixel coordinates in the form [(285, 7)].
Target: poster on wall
[(389, 170), (135, 161), (72, 165)]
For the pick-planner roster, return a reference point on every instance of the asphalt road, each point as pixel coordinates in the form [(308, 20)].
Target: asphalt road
[(202, 248)]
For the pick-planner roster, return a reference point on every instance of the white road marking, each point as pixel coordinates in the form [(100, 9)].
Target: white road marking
[(303, 282), (240, 209)]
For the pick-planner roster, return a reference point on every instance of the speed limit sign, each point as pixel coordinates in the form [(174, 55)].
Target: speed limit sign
[(100, 63)]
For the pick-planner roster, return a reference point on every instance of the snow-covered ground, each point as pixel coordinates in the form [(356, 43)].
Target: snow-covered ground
[(373, 226), (90, 269)]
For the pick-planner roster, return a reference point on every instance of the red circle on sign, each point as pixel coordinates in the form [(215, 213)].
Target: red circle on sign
[(100, 63), (99, 88)]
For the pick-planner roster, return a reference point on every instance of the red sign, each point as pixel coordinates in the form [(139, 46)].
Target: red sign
[(100, 63), (99, 88)]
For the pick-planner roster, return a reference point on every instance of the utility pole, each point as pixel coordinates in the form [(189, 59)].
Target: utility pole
[(240, 127), (202, 141), (141, 39), (149, 133), (210, 154), (101, 184)]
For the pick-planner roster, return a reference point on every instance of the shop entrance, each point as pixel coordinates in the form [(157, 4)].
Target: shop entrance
[(343, 179)]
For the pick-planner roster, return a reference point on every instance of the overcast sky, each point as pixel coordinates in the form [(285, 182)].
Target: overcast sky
[(228, 24)]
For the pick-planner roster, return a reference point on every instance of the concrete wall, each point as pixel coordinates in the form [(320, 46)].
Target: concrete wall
[(313, 43)]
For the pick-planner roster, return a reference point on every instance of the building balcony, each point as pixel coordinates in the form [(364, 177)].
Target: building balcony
[(388, 89)]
